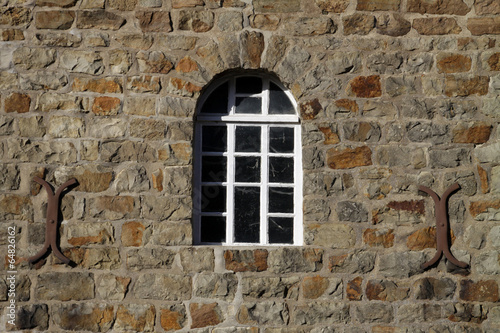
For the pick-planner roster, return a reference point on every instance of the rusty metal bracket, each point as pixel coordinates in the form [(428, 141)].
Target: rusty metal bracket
[(52, 221), (442, 227)]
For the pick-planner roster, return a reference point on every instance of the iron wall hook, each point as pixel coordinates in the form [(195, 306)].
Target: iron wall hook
[(442, 227), (52, 221)]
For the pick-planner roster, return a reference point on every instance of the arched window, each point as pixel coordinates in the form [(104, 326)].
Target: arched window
[(248, 165)]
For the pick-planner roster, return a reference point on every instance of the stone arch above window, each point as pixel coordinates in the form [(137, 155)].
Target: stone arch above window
[(247, 165)]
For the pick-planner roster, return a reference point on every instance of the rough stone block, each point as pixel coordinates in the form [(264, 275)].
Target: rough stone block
[(148, 129), (446, 7), (379, 237), (169, 234), (32, 316), (484, 26), (16, 207), (112, 288), (15, 16), (358, 24), (99, 19), (66, 127), (54, 19), (263, 313), (197, 259), (434, 289), (114, 207), (163, 287), (362, 131), (337, 236), (449, 158), (466, 86), (269, 287), (132, 179), (374, 313), (135, 317), (487, 263), (393, 25), (144, 84), (166, 208), (203, 315), (477, 133), (370, 5), (417, 313), (94, 258), (90, 233), (132, 233), (17, 102), (453, 63), (246, 260), (33, 58), (277, 6), (353, 263), (287, 260), (77, 286), (385, 290), (173, 317), (83, 316), (219, 286), (348, 158), (321, 312), (479, 291), (401, 265), (48, 81), (87, 62), (147, 258), (436, 26), (365, 86)]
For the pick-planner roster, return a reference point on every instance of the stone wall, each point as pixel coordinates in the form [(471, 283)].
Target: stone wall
[(392, 94)]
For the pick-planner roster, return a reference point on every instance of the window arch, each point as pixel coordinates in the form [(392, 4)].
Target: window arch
[(248, 164)]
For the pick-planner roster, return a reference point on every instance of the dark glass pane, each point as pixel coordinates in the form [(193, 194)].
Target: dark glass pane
[(213, 199), (246, 214), (214, 138), (213, 229), (248, 85), (248, 105), (281, 169), (280, 200), (247, 169), (247, 139), (217, 101), (213, 169), (279, 103), (281, 230), (281, 140)]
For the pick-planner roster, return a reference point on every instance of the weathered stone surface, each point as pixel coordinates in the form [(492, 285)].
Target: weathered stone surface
[(38, 151), (417, 313), (434, 289), (385, 63), (154, 62), (144, 84), (66, 127), (353, 263), (182, 87), (106, 106), (487, 263), (362, 131), (337, 236), (449, 158), (379, 237), (203, 315), (114, 207), (162, 287), (17, 102), (94, 258), (352, 212), (354, 292), (78, 286), (365, 86), (277, 6), (120, 61), (186, 3), (314, 287), (47, 81), (347, 158), (8, 80), (99, 19), (173, 317), (103, 86), (9, 35), (246, 260), (135, 317), (54, 19), (148, 129), (140, 106), (310, 109), (170, 234), (453, 63), (10, 177), (400, 213), (484, 26), (219, 286), (374, 313), (113, 288), (132, 233), (56, 3), (196, 21), (486, 7), (310, 26), (132, 179), (166, 208), (359, 24), (269, 287), (447, 7), (83, 316), (320, 312), (385, 290), (422, 239), (480, 291), (87, 62), (488, 153), (485, 210), (263, 313), (197, 259), (471, 133), (33, 316), (370, 5), (52, 101), (15, 207), (436, 26), (15, 16), (33, 58), (466, 86), (268, 22), (287, 260), (252, 47), (90, 178), (401, 265), (147, 258), (90, 233), (122, 5), (293, 64)]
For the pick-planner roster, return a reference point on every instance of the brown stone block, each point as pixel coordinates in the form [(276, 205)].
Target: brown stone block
[(424, 238), (144, 84), (331, 137), (16, 207), (376, 237), (347, 104), (480, 291), (154, 62), (314, 286), (276, 6), (102, 86), (77, 286), (373, 5), (359, 24), (197, 21), (252, 47), (56, 3), (15, 16), (84, 316), (454, 63), (377, 290), (187, 65), (268, 22), (473, 133), (106, 106), (414, 206), (246, 260), (132, 233), (366, 86), (487, 7), (94, 181), (182, 87), (57, 19), (494, 62), (122, 5), (447, 7), (186, 3), (483, 178), (484, 26), (347, 158), (135, 318), (173, 318), (9, 35), (203, 315), (466, 86), (310, 109), (393, 25), (436, 26), (333, 6), (17, 102), (354, 290), (480, 207), (99, 19)]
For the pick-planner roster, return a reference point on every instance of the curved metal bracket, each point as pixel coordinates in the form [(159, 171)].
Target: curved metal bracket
[(442, 227), (52, 221)]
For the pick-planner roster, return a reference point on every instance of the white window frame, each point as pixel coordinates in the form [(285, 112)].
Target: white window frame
[(265, 121)]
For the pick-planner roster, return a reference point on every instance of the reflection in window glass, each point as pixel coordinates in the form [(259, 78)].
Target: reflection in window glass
[(248, 105), (247, 169), (280, 200), (281, 169), (279, 103), (247, 139), (246, 214), (281, 230), (281, 140)]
